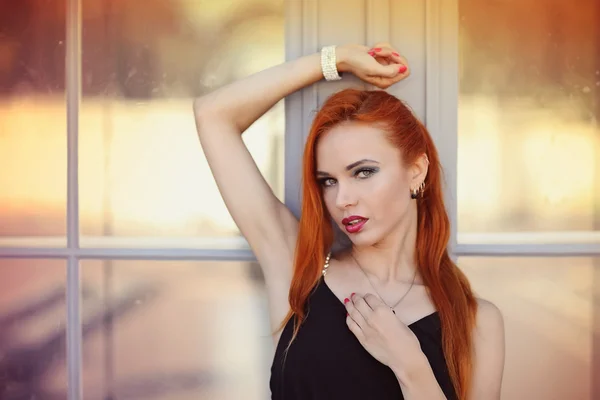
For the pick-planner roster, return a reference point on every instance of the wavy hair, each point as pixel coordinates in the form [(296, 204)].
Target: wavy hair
[(447, 286)]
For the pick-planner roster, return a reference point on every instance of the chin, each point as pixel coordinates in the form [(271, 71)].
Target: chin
[(363, 239)]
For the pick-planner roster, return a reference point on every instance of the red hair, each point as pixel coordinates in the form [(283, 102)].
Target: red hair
[(448, 287)]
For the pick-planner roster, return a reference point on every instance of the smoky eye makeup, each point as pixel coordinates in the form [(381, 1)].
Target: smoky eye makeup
[(358, 169), (325, 181), (365, 172), (362, 172)]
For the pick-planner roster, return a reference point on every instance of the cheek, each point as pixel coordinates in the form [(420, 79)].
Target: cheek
[(328, 196), (390, 201)]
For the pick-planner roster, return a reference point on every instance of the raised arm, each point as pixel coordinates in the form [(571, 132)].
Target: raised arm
[(223, 115)]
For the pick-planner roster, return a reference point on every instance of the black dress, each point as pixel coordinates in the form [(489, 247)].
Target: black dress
[(326, 361)]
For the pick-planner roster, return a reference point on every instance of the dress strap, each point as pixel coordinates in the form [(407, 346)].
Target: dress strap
[(326, 266)]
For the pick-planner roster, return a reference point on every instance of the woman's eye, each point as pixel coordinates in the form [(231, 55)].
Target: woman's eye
[(328, 182), (365, 173)]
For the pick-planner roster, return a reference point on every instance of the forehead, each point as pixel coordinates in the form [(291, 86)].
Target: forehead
[(349, 142)]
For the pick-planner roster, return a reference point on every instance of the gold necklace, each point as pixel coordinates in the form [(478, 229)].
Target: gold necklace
[(375, 289)]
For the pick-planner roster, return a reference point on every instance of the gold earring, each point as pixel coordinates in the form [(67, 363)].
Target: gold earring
[(414, 194)]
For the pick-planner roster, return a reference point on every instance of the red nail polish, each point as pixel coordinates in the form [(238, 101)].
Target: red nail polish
[(396, 54), (346, 300), (402, 69), (377, 49), (352, 294), (372, 53)]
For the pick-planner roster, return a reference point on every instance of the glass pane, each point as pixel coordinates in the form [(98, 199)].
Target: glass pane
[(549, 307), (33, 154), (529, 140), (143, 172), (175, 331), (32, 337)]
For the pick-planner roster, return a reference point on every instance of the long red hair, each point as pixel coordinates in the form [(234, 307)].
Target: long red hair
[(448, 287)]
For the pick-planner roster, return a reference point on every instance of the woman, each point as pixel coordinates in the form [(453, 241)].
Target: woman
[(390, 317)]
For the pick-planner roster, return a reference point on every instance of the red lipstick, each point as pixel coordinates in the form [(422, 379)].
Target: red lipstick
[(354, 223)]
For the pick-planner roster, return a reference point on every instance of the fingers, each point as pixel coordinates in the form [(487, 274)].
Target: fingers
[(391, 68), (373, 301), (361, 305), (355, 328), (394, 71), (388, 53), (354, 313), (355, 320)]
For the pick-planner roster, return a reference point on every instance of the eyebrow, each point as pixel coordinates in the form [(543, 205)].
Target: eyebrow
[(351, 166)]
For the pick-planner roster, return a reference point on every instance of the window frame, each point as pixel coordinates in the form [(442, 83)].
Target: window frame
[(441, 119), (302, 37)]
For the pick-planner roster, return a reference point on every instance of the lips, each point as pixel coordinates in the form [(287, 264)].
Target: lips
[(354, 223)]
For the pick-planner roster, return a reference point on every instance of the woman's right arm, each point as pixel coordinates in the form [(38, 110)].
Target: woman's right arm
[(223, 115)]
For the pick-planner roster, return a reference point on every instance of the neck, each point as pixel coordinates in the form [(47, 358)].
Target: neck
[(392, 259)]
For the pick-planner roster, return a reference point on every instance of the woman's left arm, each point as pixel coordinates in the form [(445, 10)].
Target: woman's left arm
[(488, 352), (488, 362), (394, 344)]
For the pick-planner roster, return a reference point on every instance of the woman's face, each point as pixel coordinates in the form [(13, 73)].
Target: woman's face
[(366, 187)]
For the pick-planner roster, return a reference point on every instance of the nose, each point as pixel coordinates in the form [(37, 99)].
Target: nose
[(345, 196)]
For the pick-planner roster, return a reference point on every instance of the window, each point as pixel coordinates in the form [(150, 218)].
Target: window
[(528, 138), (143, 176), (169, 296), (175, 330), (549, 315), (33, 140), (528, 185), (168, 328)]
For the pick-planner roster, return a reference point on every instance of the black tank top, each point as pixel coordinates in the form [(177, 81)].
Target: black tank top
[(326, 361)]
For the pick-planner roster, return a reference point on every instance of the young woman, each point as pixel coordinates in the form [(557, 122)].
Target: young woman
[(391, 316)]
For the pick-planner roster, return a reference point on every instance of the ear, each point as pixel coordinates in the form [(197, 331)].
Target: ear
[(419, 170)]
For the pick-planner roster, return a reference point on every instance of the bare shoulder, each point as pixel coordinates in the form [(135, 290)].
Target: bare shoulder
[(489, 351), (489, 316)]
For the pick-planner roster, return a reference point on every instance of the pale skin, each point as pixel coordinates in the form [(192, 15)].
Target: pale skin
[(378, 189)]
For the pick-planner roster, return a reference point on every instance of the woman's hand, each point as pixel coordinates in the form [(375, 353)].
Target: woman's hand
[(381, 65), (382, 334)]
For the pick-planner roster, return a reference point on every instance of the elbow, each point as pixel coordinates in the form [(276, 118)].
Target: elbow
[(205, 113), (206, 109), (201, 108), (203, 116), (210, 118)]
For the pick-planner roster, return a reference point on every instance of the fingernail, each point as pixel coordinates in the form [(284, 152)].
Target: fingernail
[(402, 69), (346, 300), (352, 294), (377, 49), (396, 54), (371, 53)]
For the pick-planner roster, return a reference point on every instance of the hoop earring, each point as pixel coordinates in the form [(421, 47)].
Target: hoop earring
[(414, 194)]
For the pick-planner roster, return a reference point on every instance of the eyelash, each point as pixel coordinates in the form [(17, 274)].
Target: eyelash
[(369, 172)]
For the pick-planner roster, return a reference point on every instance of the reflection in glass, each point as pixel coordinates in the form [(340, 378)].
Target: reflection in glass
[(176, 331), (548, 306), (529, 141), (143, 172), (32, 329), (32, 119)]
